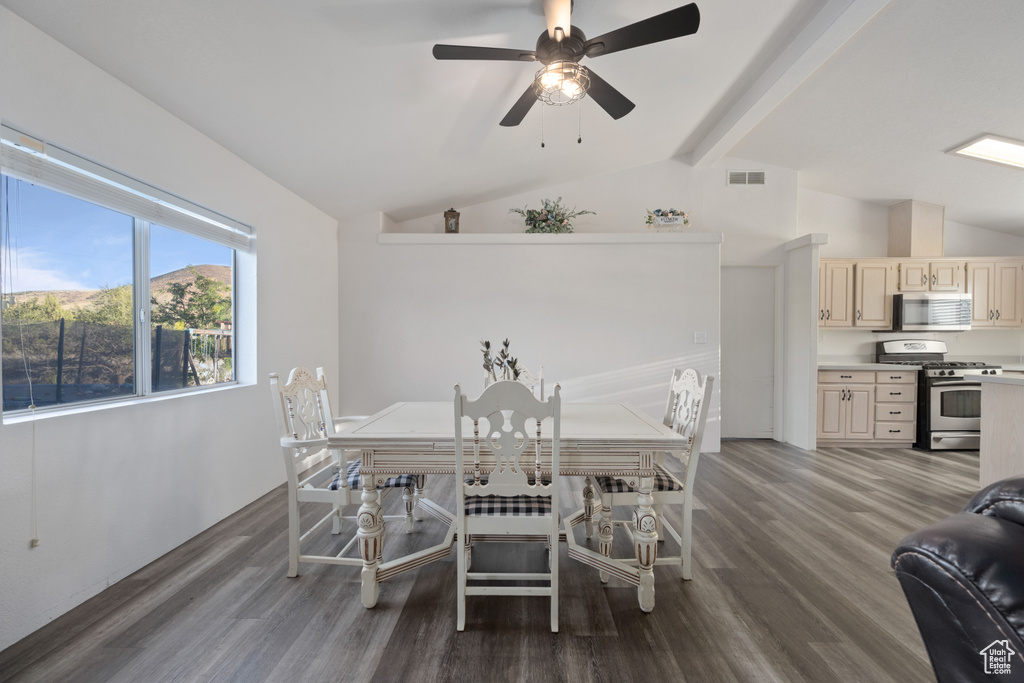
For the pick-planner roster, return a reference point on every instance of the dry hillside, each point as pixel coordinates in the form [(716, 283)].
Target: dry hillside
[(85, 298)]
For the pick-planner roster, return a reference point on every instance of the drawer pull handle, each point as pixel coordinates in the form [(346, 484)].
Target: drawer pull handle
[(895, 377), (845, 376), (895, 431), (895, 393), (895, 412)]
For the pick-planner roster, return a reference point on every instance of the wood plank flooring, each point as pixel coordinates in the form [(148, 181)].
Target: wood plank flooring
[(791, 583)]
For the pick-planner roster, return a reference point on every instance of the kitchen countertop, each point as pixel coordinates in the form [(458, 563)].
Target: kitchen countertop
[(1000, 379), (866, 366)]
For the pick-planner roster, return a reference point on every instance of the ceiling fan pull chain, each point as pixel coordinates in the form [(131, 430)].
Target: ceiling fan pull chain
[(579, 124), (542, 128)]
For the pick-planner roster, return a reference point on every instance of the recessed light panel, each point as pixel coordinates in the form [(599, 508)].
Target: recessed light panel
[(995, 149)]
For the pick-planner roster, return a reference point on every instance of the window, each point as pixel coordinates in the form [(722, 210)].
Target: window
[(108, 288)]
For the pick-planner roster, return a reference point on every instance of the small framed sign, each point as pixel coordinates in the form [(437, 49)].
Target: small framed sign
[(451, 220)]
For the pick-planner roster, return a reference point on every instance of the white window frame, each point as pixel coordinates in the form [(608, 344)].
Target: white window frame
[(27, 158)]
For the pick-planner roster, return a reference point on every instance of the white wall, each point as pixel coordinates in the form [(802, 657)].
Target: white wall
[(116, 488), (609, 321)]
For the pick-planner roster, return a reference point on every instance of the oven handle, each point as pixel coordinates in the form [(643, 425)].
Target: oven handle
[(955, 383)]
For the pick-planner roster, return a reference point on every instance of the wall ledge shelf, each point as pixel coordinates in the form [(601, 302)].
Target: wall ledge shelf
[(571, 238)]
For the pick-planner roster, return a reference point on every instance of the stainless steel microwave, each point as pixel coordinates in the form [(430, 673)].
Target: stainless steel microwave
[(931, 312)]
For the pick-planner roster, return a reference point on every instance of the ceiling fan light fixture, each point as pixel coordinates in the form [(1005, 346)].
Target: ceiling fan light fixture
[(562, 82)]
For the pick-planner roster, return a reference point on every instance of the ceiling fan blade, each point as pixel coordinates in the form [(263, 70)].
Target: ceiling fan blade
[(494, 53), (559, 15), (681, 21), (519, 110), (610, 99)]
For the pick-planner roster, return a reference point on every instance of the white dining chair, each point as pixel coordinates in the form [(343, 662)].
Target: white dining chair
[(686, 412), (509, 489), (305, 422)]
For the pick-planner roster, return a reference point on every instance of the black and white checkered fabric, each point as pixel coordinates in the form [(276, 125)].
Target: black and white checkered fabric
[(663, 481), (530, 479), (508, 506), (354, 481)]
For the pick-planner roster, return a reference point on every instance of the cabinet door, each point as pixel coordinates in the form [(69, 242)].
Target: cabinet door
[(872, 298), (914, 277), (831, 411), (821, 294), (980, 285), (945, 276), (860, 407), (1007, 301), (839, 294)]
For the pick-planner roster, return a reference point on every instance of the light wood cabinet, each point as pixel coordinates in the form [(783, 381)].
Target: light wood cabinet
[(995, 289), (846, 406), (931, 276), (861, 405), (835, 294), (874, 284)]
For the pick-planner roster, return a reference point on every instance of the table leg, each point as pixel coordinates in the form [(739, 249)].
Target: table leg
[(408, 500), (371, 540), (589, 493), (604, 532), (645, 541), (417, 511)]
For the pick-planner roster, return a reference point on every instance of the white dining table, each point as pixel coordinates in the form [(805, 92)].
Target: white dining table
[(610, 439)]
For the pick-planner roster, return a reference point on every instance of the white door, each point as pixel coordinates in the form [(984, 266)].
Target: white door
[(748, 352)]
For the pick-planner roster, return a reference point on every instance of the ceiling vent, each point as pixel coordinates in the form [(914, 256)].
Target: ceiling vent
[(745, 178)]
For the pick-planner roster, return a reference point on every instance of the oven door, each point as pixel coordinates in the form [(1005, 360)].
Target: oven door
[(955, 406)]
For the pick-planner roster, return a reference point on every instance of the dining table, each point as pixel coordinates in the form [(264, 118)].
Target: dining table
[(597, 439)]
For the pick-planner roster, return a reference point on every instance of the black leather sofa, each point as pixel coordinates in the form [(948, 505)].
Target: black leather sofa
[(964, 579)]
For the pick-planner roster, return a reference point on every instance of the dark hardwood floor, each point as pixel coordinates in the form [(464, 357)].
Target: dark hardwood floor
[(791, 583)]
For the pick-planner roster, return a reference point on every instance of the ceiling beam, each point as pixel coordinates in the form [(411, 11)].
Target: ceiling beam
[(834, 25)]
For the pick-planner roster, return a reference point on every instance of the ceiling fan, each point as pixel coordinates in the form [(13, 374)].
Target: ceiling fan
[(563, 80)]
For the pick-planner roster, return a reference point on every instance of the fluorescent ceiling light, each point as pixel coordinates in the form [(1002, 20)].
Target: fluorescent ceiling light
[(995, 149)]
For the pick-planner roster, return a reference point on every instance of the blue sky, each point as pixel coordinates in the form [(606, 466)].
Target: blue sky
[(53, 241)]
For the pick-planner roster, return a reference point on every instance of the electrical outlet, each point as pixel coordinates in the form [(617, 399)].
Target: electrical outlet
[(700, 337)]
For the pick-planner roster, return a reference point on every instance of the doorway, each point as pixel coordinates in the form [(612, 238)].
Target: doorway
[(748, 352)]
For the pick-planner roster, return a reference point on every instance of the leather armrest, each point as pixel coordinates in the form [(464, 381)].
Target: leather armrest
[(1003, 499), (964, 580)]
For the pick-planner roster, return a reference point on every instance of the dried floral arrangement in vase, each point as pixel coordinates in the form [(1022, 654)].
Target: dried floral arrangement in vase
[(553, 217), (502, 364)]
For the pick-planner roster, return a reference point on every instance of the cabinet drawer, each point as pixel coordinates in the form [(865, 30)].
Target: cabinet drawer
[(895, 393), (896, 377), (846, 377), (895, 412), (896, 431)]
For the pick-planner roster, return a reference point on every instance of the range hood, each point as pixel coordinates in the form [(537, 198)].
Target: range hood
[(916, 229)]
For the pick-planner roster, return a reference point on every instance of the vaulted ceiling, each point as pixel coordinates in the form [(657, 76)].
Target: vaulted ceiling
[(341, 101)]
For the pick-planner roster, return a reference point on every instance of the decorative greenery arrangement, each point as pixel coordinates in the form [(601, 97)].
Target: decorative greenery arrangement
[(552, 218), (665, 213), (503, 362)]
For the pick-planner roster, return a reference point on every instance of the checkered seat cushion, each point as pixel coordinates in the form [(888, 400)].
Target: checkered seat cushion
[(530, 479), (663, 481), (355, 482), (508, 506)]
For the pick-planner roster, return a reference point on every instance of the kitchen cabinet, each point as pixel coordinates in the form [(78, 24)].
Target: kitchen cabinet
[(874, 285), (846, 405), (995, 289), (835, 294), (867, 406), (931, 276)]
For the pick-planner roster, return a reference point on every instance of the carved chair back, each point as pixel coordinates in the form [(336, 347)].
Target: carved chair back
[(508, 423)]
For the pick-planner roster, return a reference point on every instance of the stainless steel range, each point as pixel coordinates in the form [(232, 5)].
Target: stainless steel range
[(948, 393)]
